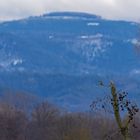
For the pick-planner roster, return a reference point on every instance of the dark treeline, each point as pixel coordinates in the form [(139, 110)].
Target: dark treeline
[(22, 117)]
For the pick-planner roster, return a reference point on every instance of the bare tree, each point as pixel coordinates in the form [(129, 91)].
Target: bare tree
[(12, 123), (74, 126), (43, 123), (120, 104)]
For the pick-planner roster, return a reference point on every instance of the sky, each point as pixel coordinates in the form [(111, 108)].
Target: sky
[(110, 9)]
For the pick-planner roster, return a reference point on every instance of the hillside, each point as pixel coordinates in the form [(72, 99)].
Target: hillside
[(62, 56)]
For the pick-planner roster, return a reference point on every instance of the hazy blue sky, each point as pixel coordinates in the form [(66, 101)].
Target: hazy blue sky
[(112, 9)]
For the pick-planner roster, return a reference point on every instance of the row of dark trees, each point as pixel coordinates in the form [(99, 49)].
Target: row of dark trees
[(46, 122), (24, 117)]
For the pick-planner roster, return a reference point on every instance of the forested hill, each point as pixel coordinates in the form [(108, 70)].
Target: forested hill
[(63, 55)]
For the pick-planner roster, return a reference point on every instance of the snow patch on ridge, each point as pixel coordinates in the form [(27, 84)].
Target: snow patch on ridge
[(135, 42), (17, 61), (91, 46), (135, 72), (67, 18), (93, 24), (9, 61), (91, 36)]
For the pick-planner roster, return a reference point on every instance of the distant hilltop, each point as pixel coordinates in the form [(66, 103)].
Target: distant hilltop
[(61, 56), (72, 14)]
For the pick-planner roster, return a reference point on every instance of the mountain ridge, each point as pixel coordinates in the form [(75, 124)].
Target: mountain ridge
[(42, 55)]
